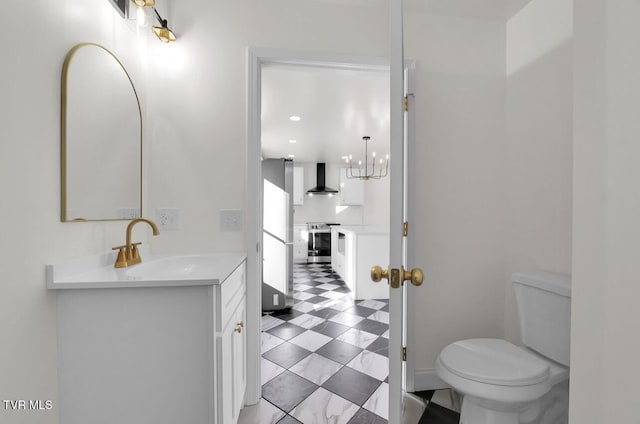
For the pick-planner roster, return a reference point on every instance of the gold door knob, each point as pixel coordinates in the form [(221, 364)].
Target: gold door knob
[(377, 274), (392, 275), (416, 276), (239, 326)]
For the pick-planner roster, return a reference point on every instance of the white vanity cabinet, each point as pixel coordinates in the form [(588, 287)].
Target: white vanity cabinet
[(156, 351)]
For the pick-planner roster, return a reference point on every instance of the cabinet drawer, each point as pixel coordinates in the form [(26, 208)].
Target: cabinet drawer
[(231, 293)]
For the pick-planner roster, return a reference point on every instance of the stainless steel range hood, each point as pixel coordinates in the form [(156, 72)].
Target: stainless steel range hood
[(320, 187)]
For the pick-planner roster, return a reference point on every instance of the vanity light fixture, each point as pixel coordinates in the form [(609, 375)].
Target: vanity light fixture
[(163, 32), (367, 172)]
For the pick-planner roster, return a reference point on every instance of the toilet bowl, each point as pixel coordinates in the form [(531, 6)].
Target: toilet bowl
[(502, 383)]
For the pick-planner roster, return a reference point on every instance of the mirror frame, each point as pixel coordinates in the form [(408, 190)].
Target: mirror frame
[(63, 134)]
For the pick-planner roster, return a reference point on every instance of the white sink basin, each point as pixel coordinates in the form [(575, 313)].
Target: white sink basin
[(155, 270), (181, 267)]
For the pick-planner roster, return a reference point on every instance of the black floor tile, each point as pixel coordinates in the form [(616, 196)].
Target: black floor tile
[(287, 390), (365, 417), (286, 354), (286, 314), (379, 346), (372, 326), (331, 329), (339, 351), (316, 299), (286, 331), (436, 414), (315, 290), (324, 312), (288, 419), (352, 385)]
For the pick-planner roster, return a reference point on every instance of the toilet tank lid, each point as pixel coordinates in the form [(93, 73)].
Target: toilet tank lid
[(550, 281)]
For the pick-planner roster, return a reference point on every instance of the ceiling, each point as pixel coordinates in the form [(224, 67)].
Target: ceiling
[(337, 108)]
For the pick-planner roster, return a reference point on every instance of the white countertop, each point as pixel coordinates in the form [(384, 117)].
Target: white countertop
[(155, 271)]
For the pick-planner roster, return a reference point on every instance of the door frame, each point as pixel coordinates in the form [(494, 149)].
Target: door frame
[(256, 57)]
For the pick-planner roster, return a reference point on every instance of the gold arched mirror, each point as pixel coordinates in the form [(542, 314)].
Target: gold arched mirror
[(101, 138)]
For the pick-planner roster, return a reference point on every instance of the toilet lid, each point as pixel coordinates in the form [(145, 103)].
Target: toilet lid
[(493, 361)]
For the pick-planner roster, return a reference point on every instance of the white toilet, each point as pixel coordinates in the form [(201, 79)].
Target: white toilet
[(506, 384)]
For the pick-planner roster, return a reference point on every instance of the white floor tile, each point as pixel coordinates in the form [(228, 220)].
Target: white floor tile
[(327, 285), (310, 340), (269, 322), (373, 304), (269, 370), (333, 295), (357, 337), (302, 287), (304, 307), (385, 334), (380, 316), (373, 364), (269, 341), (316, 368), (262, 413), (302, 295), (324, 407), (378, 403), (346, 319), (307, 321)]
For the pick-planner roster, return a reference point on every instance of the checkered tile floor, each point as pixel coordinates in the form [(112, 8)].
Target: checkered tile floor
[(326, 360)]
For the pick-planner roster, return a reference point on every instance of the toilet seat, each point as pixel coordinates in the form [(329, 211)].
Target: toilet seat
[(493, 361), (497, 370)]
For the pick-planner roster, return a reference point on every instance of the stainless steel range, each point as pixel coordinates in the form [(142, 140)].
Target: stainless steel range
[(319, 242)]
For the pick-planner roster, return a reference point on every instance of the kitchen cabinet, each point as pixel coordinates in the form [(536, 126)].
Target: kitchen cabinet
[(357, 249), (164, 352), (300, 243), (298, 185), (351, 190)]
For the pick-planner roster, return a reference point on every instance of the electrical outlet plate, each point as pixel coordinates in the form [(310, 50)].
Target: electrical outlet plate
[(167, 218), (231, 220)]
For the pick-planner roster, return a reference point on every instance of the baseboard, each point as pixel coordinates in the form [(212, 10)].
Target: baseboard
[(427, 379)]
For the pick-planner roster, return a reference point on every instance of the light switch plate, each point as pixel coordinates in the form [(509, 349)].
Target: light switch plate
[(230, 220)]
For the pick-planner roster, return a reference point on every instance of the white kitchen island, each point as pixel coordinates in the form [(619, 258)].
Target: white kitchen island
[(354, 250), (160, 342)]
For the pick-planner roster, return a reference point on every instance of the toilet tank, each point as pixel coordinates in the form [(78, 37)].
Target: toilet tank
[(544, 310)]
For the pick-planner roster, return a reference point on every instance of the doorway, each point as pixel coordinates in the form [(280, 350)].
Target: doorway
[(257, 59)]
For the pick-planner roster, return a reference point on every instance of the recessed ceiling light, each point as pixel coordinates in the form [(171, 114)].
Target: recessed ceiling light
[(292, 156), (293, 141), (294, 118)]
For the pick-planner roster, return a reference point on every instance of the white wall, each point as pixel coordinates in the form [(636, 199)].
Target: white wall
[(459, 179), (42, 32), (538, 159), (605, 347)]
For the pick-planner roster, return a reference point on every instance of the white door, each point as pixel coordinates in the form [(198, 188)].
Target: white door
[(396, 274)]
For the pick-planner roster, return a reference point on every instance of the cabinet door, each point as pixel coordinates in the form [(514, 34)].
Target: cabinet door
[(298, 185), (239, 361), (231, 368), (351, 190)]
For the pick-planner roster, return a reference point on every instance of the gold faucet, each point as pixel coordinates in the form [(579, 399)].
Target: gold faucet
[(128, 253)]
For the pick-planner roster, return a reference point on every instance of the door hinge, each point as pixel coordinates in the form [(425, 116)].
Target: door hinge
[(406, 103), (404, 353), (405, 231)]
